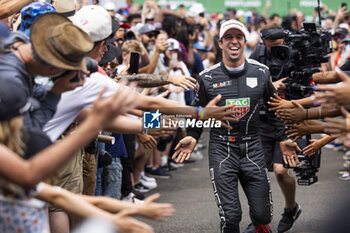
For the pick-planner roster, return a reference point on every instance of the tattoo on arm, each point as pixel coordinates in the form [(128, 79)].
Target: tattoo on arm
[(148, 80)]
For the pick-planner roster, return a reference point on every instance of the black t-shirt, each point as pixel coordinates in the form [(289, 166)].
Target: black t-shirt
[(35, 141)]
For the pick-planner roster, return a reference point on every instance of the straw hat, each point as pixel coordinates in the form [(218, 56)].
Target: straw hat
[(60, 43)]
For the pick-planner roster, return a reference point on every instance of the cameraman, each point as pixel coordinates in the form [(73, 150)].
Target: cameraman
[(273, 35)]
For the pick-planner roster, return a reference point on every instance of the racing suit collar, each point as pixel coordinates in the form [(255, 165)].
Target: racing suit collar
[(234, 74)]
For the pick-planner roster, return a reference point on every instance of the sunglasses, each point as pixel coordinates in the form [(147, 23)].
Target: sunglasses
[(111, 64), (150, 35), (338, 36)]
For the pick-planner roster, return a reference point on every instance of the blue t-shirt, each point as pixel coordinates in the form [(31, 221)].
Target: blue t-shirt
[(118, 148)]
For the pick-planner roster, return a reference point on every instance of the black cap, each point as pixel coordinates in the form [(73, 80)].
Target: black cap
[(343, 31), (115, 25), (110, 54), (14, 100), (272, 34)]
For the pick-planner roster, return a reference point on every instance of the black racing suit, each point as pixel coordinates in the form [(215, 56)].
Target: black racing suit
[(237, 153)]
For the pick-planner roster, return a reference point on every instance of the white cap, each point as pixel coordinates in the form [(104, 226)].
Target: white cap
[(173, 44), (136, 28), (232, 24), (95, 21), (109, 6), (197, 8)]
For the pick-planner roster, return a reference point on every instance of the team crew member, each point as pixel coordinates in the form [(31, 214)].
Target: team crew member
[(272, 35), (237, 153)]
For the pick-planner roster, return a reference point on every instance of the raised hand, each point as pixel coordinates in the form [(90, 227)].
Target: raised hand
[(184, 149), (161, 46), (104, 110)]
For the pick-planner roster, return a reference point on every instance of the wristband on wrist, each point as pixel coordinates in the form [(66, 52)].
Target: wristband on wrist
[(319, 112), (202, 113), (198, 109)]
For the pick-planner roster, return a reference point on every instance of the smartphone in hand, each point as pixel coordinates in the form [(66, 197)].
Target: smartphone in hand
[(134, 63)]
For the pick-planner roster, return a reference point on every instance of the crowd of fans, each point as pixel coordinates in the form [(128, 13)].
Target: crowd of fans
[(86, 135)]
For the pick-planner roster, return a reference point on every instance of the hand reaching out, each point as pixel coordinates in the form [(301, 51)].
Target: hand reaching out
[(296, 114), (182, 81), (289, 151), (279, 103), (155, 211), (336, 126), (297, 130), (339, 94), (222, 113), (312, 148), (127, 224), (184, 149), (147, 141), (104, 110)]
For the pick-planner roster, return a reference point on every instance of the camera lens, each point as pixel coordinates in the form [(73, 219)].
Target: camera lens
[(280, 55)]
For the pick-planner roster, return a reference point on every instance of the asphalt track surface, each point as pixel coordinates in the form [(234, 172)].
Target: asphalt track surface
[(190, 191)]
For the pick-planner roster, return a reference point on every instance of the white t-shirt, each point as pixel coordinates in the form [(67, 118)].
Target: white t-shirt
[(72, 102), (120, 68), (177, 93)]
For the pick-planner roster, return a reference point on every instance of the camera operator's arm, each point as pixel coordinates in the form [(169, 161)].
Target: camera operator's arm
[(299, 113), (279, 85), (152, 80), (279, 103), (339, 94), (303, 128), (316, 145)]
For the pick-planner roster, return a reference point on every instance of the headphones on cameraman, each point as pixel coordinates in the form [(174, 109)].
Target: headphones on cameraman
[(272, 34)]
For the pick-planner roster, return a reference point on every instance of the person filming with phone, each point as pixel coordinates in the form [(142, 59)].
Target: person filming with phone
[(175, 65)]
